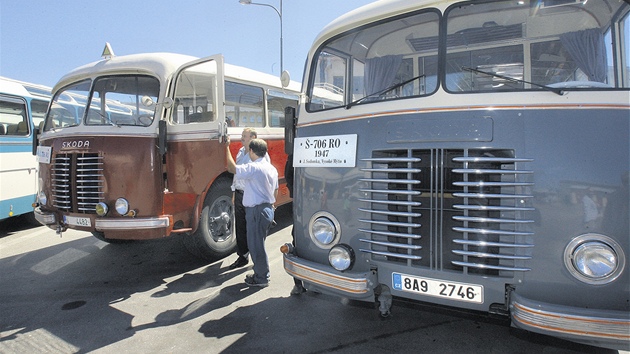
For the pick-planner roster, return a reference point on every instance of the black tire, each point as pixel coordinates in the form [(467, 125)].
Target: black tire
[(215, 237)]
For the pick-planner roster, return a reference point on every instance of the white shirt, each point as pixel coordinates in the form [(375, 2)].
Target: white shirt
[(260, 182), (242, 157)]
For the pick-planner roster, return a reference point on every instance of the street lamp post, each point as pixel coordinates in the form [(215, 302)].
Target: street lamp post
[(279, 12)]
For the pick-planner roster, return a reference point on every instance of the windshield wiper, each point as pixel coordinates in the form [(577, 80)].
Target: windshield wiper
[(376, 94), (557, 91)]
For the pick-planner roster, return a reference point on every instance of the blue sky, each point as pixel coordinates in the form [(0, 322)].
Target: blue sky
[(41, 40)]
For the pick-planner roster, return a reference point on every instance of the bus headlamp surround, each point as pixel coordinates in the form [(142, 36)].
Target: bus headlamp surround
[(324, 229), (341, 257), (101, 209), (41, 196), (594, 259), (122, 206)]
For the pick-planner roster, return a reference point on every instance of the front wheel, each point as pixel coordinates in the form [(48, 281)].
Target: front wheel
[(215, 237)]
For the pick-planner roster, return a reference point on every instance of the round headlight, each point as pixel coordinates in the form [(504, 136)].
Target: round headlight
[(42, 197), (122, 206), (324, 229), (341, 257), (594, 259), (101, 209)]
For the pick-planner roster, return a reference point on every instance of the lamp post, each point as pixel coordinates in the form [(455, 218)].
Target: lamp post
[(279, 12)]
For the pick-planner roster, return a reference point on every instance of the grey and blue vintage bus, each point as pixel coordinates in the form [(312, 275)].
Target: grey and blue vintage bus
[(473, 155)]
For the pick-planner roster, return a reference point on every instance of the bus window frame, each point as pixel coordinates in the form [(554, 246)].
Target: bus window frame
[(348, 94), (218, 99)]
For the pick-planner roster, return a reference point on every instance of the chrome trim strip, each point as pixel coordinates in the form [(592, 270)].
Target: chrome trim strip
[(392, 213), (393, 234), (491, 244), (587, 328), (395, 255), (489, 255), (136, 223), (310, 274), (43, 217), (392, 244), (487, 266)]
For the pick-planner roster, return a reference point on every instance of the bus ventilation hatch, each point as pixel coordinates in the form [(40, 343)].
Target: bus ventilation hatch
[(77, 182), (467, 211)]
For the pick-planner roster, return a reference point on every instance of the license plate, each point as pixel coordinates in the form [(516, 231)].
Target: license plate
[(77, 221), (438, 288)]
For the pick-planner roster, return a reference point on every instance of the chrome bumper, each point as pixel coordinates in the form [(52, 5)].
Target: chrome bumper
[(161, 222), (44, 218), (351, 285), (609, 329)]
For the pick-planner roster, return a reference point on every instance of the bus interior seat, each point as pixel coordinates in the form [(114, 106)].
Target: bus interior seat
[(200, 117), (2, 130), (22, 128), (12, 129)]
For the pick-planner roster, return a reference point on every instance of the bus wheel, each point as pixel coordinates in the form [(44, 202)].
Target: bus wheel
[(101, 236), (215, 237)]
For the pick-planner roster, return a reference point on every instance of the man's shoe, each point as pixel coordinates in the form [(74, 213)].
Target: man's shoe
[(240, 262), (297, 290), (249, 280)]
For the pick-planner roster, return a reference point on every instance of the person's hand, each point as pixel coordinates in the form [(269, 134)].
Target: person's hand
[(226, 139)]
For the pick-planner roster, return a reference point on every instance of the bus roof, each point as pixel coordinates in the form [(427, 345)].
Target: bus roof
[(21, 88), (373, 12), (162, 65)]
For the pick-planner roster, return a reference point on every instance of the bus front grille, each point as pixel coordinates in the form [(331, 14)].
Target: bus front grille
[(467, 211), (77, 182)]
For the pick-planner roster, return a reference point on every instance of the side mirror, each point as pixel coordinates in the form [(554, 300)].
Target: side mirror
[(162, 137), (289, 129), (35, 140)]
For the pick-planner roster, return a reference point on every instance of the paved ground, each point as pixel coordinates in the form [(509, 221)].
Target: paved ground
[(76, 294)]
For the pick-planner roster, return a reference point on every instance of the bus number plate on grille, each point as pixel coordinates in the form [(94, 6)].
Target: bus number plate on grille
[(438, 288), (77, 221)]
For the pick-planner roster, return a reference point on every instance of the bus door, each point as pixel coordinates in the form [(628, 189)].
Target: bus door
[(196, 128)]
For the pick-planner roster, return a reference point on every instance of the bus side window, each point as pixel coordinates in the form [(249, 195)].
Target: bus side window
[(13, 116), (244, 105)]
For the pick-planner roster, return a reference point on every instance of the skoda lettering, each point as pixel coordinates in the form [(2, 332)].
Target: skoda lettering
[(75, 144)]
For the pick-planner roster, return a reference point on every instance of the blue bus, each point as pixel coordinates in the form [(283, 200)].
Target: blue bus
[(22, 107)]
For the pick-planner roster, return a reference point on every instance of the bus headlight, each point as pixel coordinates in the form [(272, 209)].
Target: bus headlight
[(122, 206), (41, 196), (594, 259), (324, 229), (341, 257), (101, 209)]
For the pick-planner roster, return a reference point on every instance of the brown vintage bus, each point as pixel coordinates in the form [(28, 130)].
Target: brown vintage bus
[(131, 147)]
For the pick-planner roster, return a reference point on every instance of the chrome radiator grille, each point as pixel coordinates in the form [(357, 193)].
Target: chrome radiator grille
[(465, 211), (77, 182)]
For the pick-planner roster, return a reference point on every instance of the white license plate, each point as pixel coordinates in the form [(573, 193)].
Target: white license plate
[(77, 221), (438, 288)]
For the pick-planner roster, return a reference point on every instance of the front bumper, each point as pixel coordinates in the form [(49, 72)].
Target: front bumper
[(358, 286), (161, 222), (110, 224), (602, 328), (43, 217)]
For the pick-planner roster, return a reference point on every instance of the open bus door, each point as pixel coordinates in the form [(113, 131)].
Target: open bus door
[(197, 187)]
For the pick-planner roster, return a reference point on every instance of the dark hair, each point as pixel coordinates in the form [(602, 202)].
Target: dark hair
[(258, 146)]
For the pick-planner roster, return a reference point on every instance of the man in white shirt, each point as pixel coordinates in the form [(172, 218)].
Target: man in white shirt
[(259, 193), (242, 157)]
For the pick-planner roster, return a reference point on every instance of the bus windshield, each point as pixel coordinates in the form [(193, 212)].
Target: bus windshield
[(489, 47), (113, 100)]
